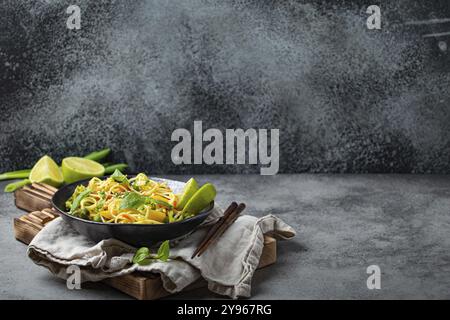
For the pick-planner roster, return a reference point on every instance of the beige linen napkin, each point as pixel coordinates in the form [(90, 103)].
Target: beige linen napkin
[(227, 266)]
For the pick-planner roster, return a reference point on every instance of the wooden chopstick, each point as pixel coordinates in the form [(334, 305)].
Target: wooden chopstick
[(222, 227), (214, 228)]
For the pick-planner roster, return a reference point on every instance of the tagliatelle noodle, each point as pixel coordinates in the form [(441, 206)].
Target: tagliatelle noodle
[(104, 203)]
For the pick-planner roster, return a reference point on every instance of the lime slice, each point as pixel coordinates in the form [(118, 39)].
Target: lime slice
[(46, 171), (190, 189), (200, 200), (75, 169)]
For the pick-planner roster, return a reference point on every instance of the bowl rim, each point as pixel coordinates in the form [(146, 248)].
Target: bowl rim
[(205, 212)]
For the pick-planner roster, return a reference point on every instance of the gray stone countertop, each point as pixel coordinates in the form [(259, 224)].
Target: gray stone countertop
[(344, 222)]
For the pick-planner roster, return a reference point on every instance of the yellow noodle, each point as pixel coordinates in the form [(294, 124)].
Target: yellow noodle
[(104, 201)]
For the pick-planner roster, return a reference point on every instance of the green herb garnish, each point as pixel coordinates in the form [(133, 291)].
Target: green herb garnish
[(119, 176), (132, 200), (163, 251), (143, 256)]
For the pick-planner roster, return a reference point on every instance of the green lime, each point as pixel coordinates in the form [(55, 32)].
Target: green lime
[(190, 189), (200, 200), (75, 169), (46, 171)]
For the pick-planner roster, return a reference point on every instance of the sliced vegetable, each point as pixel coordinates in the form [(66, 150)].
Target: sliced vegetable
[(98, 155), (16, 185), (113, 167), (77, 200), (19, 174), (157, 216), (162, 203)]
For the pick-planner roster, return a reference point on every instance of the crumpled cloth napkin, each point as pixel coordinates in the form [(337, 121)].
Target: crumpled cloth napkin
[(227, 266)]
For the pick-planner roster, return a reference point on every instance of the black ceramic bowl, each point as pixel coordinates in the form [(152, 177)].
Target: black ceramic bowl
[(134, 234)]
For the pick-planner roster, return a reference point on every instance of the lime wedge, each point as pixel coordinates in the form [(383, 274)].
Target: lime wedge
[(46, 171), (200, 200), (75, 169), (190, 189)]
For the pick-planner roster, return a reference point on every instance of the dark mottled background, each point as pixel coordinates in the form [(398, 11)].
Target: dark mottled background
[(346, 99)]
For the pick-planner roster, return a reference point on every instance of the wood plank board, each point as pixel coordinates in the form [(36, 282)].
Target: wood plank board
[(36, 200)]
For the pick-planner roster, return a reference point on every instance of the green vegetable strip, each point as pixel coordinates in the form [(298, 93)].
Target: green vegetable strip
[(19, 174), (114, 167), (165, 204), (77, 200), (16, 185), (98, 155)]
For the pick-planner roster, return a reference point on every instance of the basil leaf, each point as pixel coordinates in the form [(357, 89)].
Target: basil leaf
[(163, 251), (146, 262), (132, 200), (77, 200), (119, 176), (142, 256)]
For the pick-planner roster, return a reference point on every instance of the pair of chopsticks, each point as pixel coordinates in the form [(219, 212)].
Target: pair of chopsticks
[(229, 217)]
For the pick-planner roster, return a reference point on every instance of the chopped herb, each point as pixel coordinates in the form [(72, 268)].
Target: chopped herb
[(119, 176), (132, 200)]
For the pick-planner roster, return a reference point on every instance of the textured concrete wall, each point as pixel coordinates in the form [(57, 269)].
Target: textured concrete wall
[(346, 99)]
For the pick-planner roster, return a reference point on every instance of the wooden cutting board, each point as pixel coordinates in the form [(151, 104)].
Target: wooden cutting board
[(35, 199)]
